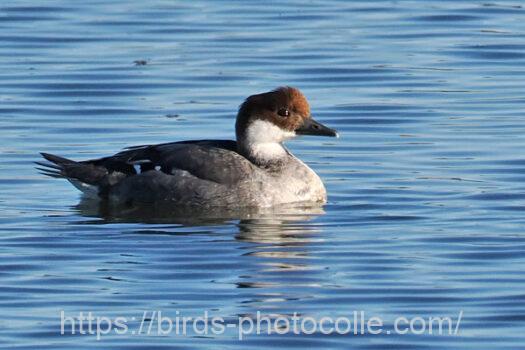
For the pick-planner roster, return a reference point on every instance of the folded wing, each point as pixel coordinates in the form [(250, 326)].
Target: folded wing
[(215, 161)]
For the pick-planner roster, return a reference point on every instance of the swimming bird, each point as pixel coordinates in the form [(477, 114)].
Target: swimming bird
[(256, 170)]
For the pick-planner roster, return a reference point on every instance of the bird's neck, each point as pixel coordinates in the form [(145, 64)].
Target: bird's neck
[(262, 143), (264, 153)]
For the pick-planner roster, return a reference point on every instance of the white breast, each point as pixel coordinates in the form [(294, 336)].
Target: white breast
[(295, 183)]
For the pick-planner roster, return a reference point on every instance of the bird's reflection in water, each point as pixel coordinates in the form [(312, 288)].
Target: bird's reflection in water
[(273, 255), (279, 246), (262, 220)]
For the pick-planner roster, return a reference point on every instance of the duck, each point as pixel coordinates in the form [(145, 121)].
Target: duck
[(254, 170)]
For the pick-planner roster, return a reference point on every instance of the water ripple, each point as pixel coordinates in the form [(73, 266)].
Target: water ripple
[(425, 214)]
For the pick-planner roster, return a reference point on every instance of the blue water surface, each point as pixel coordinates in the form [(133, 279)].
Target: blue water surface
[(426, 184)]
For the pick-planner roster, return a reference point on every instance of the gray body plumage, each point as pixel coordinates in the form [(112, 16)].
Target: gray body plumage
[(209, 173)]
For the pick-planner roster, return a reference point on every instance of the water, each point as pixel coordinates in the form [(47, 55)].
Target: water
[(426, 184)]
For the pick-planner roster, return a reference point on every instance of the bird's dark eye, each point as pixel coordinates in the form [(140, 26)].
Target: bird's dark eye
[(283, 112)]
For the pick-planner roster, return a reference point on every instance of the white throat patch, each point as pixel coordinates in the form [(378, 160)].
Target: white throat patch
[(263, 140)]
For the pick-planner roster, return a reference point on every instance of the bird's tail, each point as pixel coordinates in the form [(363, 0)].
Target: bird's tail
[(56, 166), (87, 177)]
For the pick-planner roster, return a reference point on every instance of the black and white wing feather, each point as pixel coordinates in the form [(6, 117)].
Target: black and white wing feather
[(192, 162)]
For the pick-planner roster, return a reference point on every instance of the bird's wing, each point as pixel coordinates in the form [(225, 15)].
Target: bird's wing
[(210, 160)]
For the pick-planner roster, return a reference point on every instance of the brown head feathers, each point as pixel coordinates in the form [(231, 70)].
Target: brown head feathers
[(285, 107)]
